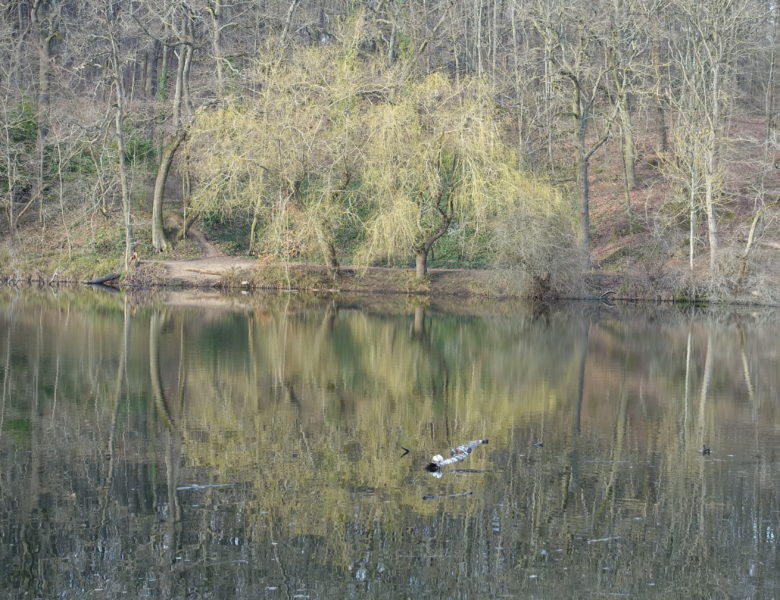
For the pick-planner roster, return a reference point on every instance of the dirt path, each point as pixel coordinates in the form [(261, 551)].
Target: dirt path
[(210, 268), (207, 248), (205, 270), (202, 271)]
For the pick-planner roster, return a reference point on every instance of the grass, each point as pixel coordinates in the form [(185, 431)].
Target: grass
[(279, 277)]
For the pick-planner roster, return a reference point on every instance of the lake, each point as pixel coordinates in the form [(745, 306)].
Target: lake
[(274, 446)]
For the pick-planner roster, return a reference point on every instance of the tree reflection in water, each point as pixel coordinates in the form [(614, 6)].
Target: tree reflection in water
[(252, 450)]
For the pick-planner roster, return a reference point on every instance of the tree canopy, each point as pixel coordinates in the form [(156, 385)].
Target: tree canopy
[(335, 136)]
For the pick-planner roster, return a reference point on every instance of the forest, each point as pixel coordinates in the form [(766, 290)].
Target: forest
[(563, 141)]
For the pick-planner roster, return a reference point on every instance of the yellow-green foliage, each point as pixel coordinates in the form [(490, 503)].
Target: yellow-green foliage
[(327, 118), (287, 154), (286, 389), (228, 156), (437, 147)]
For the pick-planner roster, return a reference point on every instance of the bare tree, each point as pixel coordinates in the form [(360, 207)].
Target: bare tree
[(626, 42), (761, 191), (576, 54), (710, 39), (16, 117), (174, 23), (113, 21)]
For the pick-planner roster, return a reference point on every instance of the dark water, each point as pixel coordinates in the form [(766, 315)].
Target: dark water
[(257, 450)]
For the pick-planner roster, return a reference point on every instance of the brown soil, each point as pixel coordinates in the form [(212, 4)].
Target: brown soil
[(208, 270), (201, 272), (214, 268), (235, 272)]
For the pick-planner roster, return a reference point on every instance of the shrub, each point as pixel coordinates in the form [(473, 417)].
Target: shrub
[(539, 240)]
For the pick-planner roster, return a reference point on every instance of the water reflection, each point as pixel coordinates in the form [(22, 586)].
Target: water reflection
[(259, 450)]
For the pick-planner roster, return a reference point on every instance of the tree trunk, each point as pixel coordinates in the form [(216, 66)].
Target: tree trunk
[(663, 129), (152, 57), (582, 176), (712, 219), (128, 220), (629, 152), (186, 97), (620, 66), (583, 166), (43, 26), (120, 138), (180, 111), (39, 22), (162, 74), (215, 10), (446, 209), (10, 166), (581, 106), (709, 205), (421, 257), (422, 251), (119, 117), (391, 45), (288, 20), (104, 279), (660, 111), (628, 147), (549, 127), (691, 224), (169, 151), (710, 171), (186, 223), (253, 226), (329, 254), (178, 90)]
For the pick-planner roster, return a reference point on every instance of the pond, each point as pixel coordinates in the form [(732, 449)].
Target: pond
[(275, 447)]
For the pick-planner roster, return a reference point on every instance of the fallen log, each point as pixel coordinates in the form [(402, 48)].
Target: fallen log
[(204, 271), (104, 279)]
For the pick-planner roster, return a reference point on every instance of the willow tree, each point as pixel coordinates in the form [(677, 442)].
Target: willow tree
[(435, 158), (288, 155)]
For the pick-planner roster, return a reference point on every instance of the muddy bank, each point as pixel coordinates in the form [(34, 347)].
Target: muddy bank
[(237, 273), (226, 272)]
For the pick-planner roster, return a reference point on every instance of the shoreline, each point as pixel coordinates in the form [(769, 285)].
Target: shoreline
[(235, 273), (224, 273)]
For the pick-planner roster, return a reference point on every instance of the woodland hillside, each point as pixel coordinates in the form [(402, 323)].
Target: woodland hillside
[(632, 141)]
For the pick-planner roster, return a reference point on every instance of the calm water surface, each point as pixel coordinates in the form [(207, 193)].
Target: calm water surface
[(258, 449)]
